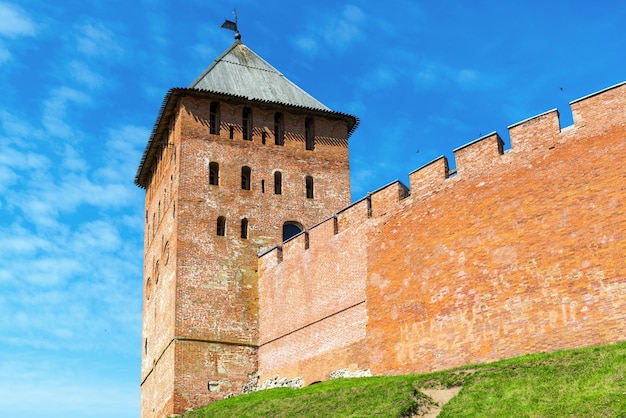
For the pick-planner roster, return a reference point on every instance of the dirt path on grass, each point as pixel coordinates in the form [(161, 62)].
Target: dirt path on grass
[(441, 397)]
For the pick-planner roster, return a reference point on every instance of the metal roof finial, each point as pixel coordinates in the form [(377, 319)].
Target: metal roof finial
[(229, 24)]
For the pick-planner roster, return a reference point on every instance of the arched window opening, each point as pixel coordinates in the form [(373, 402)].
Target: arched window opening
[(279, 129), (309, 187), (309, 134), (245, 178), (214, 119), (291, 229), (214, 173), (221, 226), (244, 228), (278, 182), (246, 123)]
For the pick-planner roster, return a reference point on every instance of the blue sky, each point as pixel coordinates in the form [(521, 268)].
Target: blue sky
[(81, 85)]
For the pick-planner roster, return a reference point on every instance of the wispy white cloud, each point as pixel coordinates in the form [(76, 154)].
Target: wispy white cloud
[(97, 40), (334, 31), (420, 72), (434, 73), (15, 21), (83, 74), (122, 150), (55, 111), (68, 279)]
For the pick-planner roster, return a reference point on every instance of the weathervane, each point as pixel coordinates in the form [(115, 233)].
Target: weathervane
[(229, 24)]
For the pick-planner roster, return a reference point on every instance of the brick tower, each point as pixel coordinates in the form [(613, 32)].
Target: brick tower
[(236, 162)]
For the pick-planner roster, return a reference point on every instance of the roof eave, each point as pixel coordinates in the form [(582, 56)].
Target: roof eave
[(168, 108)]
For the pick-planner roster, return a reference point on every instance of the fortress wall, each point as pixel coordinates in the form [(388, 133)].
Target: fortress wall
[(354, 215), (312, 302), (519, 252), (537, 133), (480, 156), (430, 178), (598, 110), (387, 199), (522, 254)]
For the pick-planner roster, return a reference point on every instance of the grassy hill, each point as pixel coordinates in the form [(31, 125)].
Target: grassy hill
[(588, 382)]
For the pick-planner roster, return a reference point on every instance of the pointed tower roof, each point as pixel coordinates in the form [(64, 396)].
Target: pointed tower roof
[(238, 74), (239, 71)]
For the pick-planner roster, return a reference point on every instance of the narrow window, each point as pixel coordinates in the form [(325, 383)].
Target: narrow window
[(279, 129), (278, 182), (145, 347), (309, 133), (244, 228), (262, 186), (221, 226), (246, 123), (245, 178), (214, 173), (309, 187), (214, 119)]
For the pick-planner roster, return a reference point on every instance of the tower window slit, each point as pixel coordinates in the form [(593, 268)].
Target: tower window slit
[(245, 178), (279, 129), (278, 182), (309, 187), (214, 119), (246, 123), (244, 228), (309, 134), (214, 173), (221, 226)]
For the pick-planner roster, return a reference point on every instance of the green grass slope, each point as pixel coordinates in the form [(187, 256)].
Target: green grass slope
[(589, 382)]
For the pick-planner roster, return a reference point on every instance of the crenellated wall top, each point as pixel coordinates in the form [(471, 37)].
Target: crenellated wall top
[(592, 115)]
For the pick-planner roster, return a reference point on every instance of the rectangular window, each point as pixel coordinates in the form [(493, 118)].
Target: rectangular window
[(309, 134), (214, 119), (246, 123), (278, 182), (245, 177), (309, 187), (244, 228), (279, 129)]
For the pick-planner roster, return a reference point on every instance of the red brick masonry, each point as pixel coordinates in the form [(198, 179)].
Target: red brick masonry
[(517, 252)]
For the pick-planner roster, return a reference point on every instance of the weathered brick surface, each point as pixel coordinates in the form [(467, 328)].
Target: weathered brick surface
[(313, 302), (202, 315), (519, 252)]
